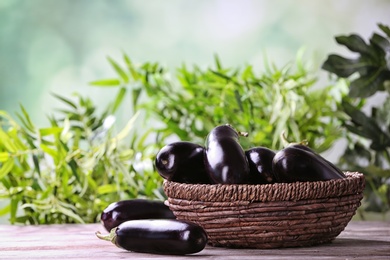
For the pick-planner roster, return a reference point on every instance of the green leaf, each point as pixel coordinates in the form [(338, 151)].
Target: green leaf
[(354, 43), (50, 131), (70, 213), (106, 83), (7, 142), (221, 75), (52, 152), (119, 70), (108, 188), (36, 164), (364, 126), (136, 76), (4, 156), (385, 29), (14, 208), (65, 100), (136, 93), (6, 168), (26, 120), (74, 167), (367, 85), (125, 131), (381, 42), (5, 210), (118, 99), (217, 62), (342, 67)]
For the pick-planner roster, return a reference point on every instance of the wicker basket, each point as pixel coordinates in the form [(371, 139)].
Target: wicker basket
[(271, 215)]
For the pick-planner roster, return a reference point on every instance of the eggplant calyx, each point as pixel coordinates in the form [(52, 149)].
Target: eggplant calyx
[(287, 143), (240, 133), (108, 237), (244, 134)]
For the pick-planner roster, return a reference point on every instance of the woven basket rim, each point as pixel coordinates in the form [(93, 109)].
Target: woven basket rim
[(354, 183)]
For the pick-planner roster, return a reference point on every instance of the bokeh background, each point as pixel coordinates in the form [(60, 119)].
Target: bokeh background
[(60, 46)]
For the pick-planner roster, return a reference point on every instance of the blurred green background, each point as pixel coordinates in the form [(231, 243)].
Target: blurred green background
[(60, 46)]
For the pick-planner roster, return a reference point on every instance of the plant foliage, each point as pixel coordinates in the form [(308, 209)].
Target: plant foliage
[(70, 171), (265, 104), (368, 149)]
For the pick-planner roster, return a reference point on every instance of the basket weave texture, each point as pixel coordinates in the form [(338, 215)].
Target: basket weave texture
[(269, 215)]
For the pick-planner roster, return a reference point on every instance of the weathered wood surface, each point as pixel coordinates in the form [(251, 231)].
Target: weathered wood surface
[(360, 240)]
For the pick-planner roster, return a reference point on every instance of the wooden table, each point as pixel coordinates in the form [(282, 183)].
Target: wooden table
[(360, 240)]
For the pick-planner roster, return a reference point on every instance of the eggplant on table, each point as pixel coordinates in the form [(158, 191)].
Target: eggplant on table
[(118, 212), (158, 236)]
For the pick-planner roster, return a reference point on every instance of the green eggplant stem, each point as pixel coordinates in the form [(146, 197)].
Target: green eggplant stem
[(108, 237), (288, 143)]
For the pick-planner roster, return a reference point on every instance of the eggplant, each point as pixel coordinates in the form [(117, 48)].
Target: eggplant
[(182, 162), (118, 212), (158, 236), (307, 148), (294, 164), (225, 159), (260, 165)]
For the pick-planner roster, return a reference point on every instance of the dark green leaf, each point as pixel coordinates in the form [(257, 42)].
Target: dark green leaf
[(354, 43), (367, 85), (381, 42), (363, 124), (136, 94), (221, 75), (36, 164), (74, 167), (385, 29), (342, 67)]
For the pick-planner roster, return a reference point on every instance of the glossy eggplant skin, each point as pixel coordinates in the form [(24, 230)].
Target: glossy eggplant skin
[(307, 148), (293, 164), (225, 159), (167, 237), (118, 212), (182, 162), (260, 165)]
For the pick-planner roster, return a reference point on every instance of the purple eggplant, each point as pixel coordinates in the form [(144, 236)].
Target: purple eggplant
[(294, 164), (118, 212), (162, 236), (182, 162), (225, 159), (307, 148), (260, 165)]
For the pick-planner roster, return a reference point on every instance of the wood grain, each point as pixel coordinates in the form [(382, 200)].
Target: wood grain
[(360, 240)]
